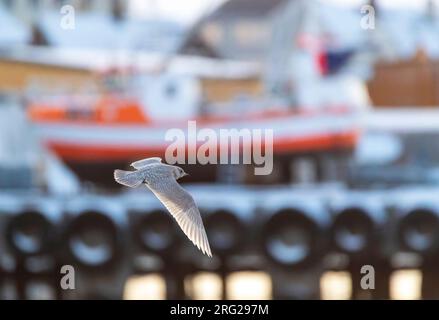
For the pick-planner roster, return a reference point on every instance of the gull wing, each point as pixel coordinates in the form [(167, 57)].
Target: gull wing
[(143, 163), (183, 208)]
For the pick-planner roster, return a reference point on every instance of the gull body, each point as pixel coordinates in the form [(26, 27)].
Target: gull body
[(161, 179)]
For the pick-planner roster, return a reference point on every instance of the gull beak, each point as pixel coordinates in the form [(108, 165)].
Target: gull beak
[(186, 174)]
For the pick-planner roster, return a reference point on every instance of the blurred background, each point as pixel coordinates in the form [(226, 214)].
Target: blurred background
[(350, 88)]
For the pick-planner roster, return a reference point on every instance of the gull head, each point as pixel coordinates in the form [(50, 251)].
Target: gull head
[(179, 173)]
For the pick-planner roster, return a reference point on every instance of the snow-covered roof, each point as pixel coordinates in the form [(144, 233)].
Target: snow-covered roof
[(409, 30), (100, 60), (403, 120), (247, 8), (100, 31), (12, 31)]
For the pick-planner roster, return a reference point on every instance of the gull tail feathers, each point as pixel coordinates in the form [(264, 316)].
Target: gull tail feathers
[(128, 178)]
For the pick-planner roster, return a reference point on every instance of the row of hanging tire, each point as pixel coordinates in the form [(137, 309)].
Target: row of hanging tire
[(284, 228)]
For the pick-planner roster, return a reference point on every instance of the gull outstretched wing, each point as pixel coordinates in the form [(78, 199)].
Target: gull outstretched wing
[(183, 208)]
